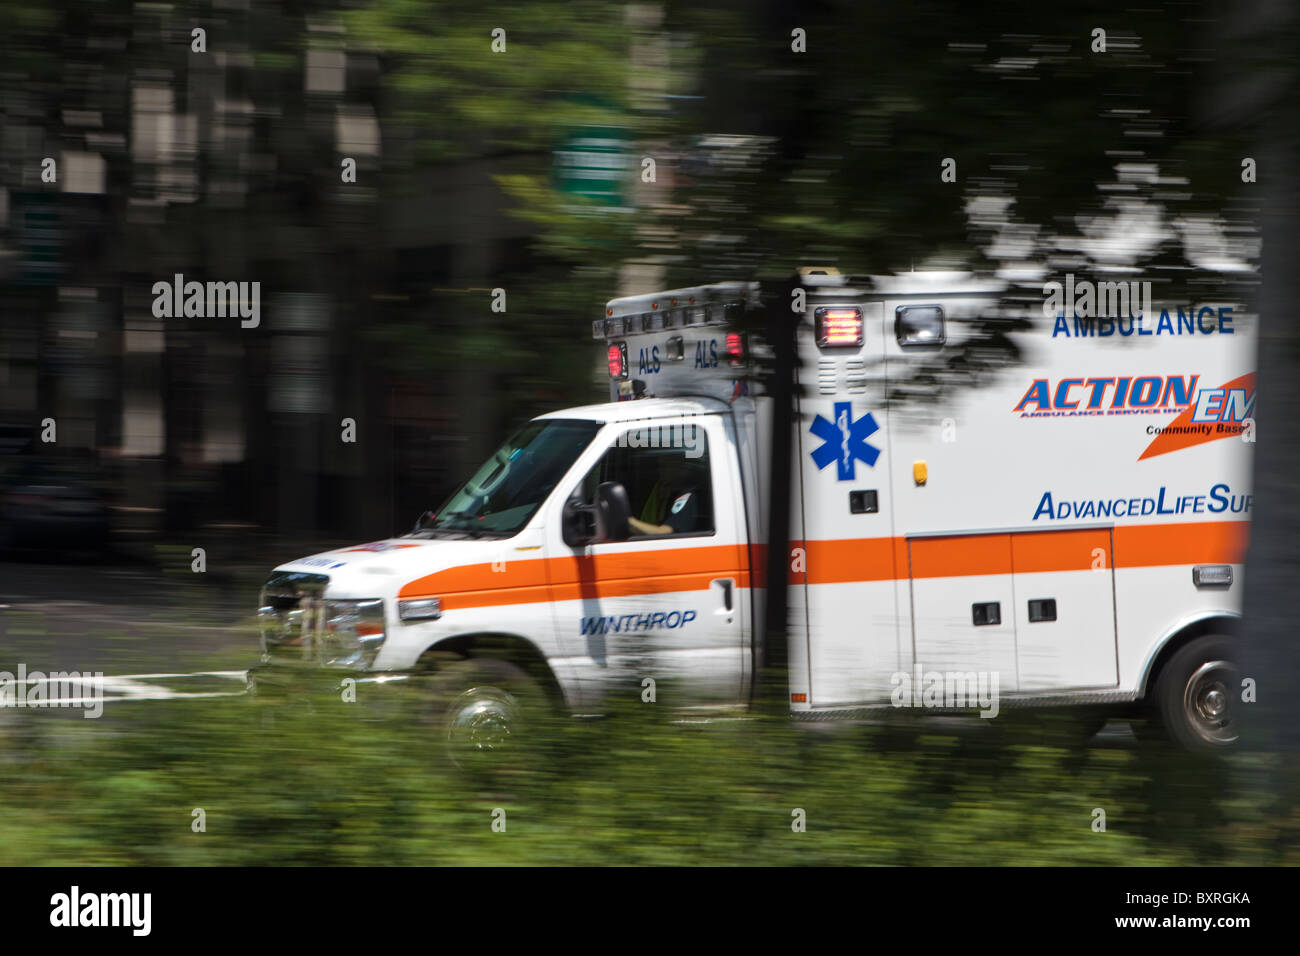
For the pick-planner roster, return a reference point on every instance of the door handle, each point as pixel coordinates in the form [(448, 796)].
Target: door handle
[(727, 584)]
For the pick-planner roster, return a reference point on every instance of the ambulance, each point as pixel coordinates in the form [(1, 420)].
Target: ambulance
[(991, 505)]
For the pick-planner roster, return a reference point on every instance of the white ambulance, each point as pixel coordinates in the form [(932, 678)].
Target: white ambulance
[(988, 509)]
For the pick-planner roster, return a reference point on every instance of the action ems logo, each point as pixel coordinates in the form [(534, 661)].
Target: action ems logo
[(844, 441), (1218, 413), (1205, 414)]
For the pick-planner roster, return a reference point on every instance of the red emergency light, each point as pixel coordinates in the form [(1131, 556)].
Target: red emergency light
[(618, 360), (735, 349), (838, 328)]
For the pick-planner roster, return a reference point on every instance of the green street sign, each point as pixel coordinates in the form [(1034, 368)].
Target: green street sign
[(593, 161)]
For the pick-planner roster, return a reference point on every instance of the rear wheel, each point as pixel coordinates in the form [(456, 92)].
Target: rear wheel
[(1196, 693)]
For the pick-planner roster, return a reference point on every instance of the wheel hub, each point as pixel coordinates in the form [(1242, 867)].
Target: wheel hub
[(1207, 702), (481, 720)]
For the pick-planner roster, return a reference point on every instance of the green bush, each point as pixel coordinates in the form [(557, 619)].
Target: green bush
[(317, 781)]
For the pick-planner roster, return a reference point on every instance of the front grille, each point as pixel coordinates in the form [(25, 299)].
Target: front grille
[(291, 614)]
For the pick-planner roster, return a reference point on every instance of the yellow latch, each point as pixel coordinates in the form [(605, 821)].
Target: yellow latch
[(920, 472)]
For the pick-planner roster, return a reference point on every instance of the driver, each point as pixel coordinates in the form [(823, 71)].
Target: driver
[(673, 504)]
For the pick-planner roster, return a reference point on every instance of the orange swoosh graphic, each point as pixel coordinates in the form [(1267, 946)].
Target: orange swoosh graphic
[(1168, 441)]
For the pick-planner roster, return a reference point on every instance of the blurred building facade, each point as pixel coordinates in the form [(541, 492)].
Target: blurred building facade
[(228, 165)]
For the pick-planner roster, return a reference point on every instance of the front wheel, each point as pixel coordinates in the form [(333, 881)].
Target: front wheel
[(1196, 693), (486, 714)]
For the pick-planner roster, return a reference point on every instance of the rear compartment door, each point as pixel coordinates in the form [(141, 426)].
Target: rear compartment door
[(1064, 609), (962, 605)]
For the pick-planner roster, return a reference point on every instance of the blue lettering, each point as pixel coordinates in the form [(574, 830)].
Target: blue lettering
[(1037, 393), (1225, 321), (1146, 392), (1235, 407), (1105, 326), (687, 617), (1121, 392), (1060, 328), (1142, 331), (1165, 323), (1160, 505), (1044, 505), (1130, 326), (1083, 327), (713, 353), (1098, 386), (1188, 320), (657, 619), (1104, 508), (1180, 391), (1200, 315), (1063, 392), (673, 620)]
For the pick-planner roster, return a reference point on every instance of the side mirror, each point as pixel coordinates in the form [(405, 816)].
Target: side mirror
[(577, 522), (612, 511)]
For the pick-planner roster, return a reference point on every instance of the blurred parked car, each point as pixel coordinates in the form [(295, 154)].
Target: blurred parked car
[(52, 503)]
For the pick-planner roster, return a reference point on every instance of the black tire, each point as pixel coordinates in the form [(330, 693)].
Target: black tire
[(487, 715), (1196, 695)]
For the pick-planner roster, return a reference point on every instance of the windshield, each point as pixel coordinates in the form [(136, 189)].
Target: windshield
[(514, 482)]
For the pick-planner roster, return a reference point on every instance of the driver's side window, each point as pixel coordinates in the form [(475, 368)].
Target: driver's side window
[(665, 470)]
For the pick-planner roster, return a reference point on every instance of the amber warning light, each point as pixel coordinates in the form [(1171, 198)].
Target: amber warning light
[(839, 328)]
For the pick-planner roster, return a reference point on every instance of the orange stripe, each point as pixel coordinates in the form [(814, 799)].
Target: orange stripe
[(1060, 550), (1202, 542), (969, 554), (582, 577), (843, 561), (856, 559), (586, 591)]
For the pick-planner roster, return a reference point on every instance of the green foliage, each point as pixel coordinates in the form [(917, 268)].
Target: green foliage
[(318, 782), (462, 97)]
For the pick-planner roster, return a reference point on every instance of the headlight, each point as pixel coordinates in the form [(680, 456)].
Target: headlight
[(421, 609), (353, 633)]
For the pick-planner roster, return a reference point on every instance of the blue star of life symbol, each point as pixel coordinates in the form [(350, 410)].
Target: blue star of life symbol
[(845, 441)]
